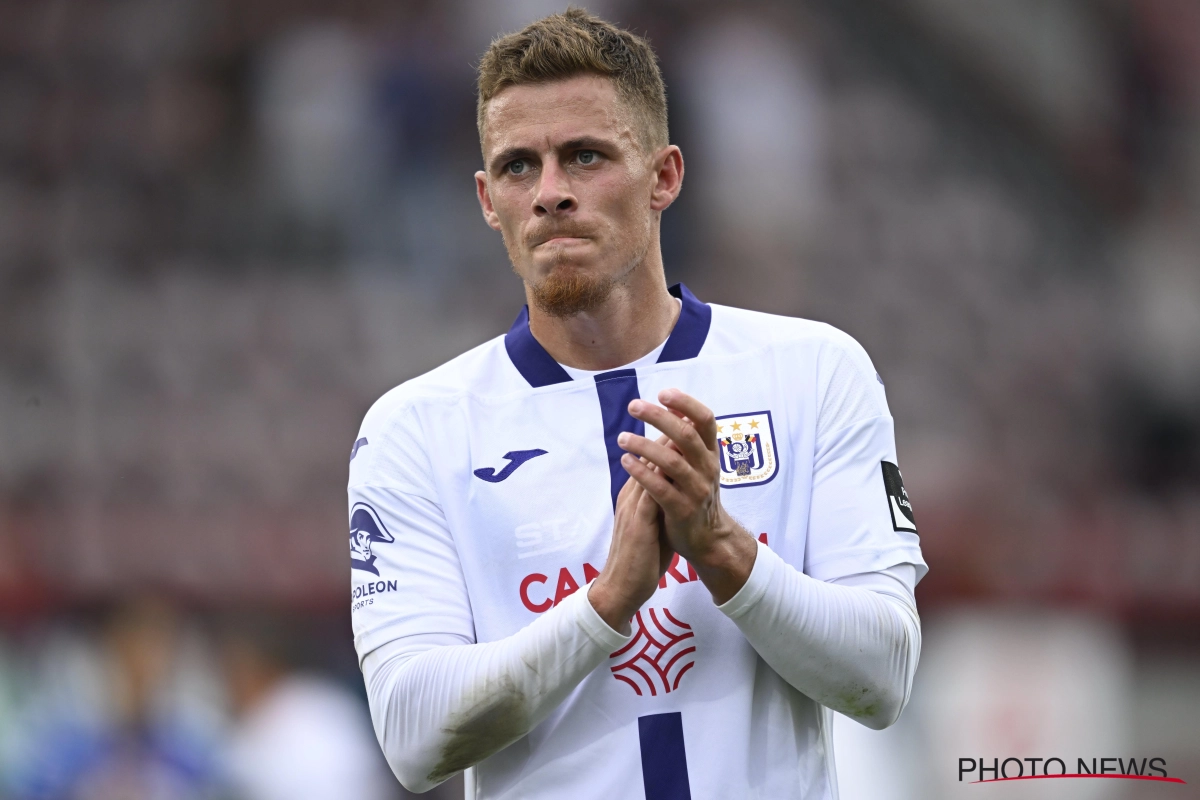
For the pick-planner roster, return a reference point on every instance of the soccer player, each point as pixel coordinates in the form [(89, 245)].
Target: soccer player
[(639, 546)]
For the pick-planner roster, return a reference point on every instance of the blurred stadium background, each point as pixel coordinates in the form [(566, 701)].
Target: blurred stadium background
[(227, 227)]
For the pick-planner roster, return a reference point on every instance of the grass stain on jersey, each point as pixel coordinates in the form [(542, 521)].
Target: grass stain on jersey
[(857, 704), (496, 721)]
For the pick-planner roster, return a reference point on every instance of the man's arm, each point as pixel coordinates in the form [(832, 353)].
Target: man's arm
[(850, 647), (441, 704), (847, 647), (439, 709)]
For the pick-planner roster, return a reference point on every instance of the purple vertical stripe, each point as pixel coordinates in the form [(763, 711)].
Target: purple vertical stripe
[(664, 758), (616, 389)]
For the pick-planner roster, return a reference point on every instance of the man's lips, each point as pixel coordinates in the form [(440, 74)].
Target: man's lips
[(562, 240)]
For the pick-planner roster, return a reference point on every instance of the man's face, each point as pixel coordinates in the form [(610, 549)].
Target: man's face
[(361, 544), (569, 184)]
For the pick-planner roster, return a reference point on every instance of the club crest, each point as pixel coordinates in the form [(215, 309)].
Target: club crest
[(747, 449)]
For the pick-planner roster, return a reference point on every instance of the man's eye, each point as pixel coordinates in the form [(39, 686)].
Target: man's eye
[(516, 167), (587, 157)]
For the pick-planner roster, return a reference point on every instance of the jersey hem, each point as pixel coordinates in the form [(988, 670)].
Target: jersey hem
[(765, 564), (593, 624), (369, 641), (852, 562)]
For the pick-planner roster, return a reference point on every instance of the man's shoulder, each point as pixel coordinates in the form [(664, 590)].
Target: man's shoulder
[(740, 330), (847, 386), (481, 371)]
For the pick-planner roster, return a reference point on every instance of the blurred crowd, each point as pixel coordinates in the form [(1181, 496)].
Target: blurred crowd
[(227, 227), (135, 701)]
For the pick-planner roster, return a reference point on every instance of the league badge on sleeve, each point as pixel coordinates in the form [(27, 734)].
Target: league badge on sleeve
[(747, 449), (897, 496)]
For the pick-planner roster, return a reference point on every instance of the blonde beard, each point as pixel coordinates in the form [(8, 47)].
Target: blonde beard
[(566, 294)]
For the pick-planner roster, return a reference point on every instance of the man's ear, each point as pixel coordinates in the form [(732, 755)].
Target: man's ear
[(485, 201), (668, 169)]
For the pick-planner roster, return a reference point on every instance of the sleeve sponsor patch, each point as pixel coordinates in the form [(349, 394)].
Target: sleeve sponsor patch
[(898, 504)]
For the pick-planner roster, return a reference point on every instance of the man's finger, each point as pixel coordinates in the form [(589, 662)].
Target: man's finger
[(629, 496), (633, 492), (655, 484), (682, 432), (700, 415), (667, 459), (630, 486), (666, 442), (646, 511)]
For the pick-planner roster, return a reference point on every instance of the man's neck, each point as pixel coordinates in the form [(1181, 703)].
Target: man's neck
[(637, 317)]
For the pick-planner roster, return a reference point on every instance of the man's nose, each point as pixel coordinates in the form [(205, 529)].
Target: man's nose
[(554, 195)]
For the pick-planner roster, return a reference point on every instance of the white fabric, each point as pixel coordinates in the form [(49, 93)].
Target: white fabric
[(644, 361), (466, 561), (848, 648)]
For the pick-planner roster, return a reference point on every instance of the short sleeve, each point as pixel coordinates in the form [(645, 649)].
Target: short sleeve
[(861, 519), (406, 577)]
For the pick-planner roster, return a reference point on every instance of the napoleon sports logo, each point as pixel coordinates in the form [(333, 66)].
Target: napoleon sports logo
[(659, 654), (366, 530)]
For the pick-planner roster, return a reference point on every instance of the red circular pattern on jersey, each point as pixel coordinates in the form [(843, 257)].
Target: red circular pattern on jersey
[(658, 655)]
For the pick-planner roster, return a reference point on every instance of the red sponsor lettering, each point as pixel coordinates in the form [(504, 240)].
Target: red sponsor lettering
[(673, 571), (762, 537), (536, 608), (566, 586)]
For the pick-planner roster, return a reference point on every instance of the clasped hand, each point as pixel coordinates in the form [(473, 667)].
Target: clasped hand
[(671, 504)]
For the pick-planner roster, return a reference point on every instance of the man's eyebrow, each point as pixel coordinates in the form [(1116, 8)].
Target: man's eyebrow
[(589, 143)]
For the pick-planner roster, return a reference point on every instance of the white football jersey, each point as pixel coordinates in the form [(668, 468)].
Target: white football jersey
[(481, 495)]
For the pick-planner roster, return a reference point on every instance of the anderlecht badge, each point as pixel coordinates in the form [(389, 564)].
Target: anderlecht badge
[(748, 453)]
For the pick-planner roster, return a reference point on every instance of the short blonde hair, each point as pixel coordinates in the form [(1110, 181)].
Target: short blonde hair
[(575, 43)]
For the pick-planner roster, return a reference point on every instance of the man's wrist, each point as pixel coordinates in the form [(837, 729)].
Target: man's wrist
[(607, 607), (725, 566)]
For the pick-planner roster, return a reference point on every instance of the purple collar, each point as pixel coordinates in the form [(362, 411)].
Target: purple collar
[(537, 366)]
